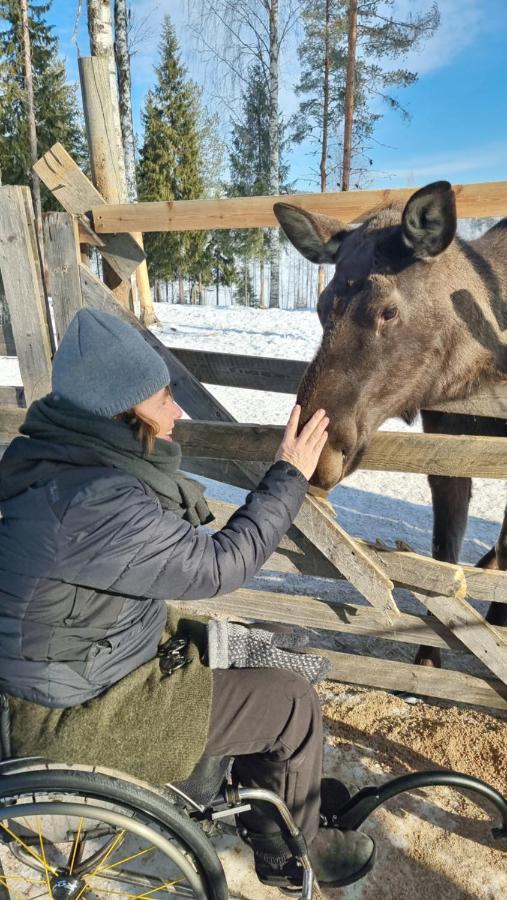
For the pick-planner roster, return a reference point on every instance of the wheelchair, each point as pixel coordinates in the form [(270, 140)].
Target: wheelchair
[(69, 832)]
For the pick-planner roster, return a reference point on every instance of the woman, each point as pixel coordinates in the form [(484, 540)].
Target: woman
[(98, 531)]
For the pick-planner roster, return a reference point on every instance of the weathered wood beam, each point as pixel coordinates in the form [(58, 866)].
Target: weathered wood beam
[(412, 570), (76, 193), (390, 451), (285, 375), (311, 612), (320, 527), (61, 243), (420, 680), (11, 395), (481, 638), (22, 280), (486, 199), (10, 421)]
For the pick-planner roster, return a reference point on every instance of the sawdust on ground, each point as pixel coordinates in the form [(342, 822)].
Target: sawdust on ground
[(432, 842)]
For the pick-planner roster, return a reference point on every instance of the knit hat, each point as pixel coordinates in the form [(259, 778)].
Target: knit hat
[(104, 365)]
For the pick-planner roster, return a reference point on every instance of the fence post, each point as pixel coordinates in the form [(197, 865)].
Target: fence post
[(61, 242), (24, 290)]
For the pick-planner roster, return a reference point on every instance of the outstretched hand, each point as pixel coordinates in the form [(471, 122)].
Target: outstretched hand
[(303, 450)]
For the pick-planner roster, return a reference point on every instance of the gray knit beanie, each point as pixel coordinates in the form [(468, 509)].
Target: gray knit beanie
[(105, 366)]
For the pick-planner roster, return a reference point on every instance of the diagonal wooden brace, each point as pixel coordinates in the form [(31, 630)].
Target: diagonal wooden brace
[(481, 638)]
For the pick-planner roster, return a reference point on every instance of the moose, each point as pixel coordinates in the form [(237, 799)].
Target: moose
[(413, 316)]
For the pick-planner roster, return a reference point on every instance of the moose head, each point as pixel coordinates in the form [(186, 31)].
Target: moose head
[(392, 337)]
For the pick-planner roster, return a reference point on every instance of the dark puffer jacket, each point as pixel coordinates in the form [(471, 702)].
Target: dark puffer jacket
[(87, 561)]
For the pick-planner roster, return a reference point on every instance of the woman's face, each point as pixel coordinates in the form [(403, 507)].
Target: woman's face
[(161, 409)]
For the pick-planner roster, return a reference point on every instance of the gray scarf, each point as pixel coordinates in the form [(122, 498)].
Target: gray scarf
[(63, 434)]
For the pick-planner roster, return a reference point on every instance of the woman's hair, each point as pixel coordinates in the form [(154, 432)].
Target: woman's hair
[(145, 430)]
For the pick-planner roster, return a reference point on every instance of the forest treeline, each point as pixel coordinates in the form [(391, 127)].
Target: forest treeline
[(350, 67)]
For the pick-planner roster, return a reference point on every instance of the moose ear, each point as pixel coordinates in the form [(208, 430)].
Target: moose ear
[(315, 236), (429, 219)]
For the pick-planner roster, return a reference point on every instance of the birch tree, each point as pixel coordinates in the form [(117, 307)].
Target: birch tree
[(122, 56), (238, 33)]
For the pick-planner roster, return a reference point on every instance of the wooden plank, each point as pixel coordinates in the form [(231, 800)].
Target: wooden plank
[(62, 261), (481, 638), (254, 372), (22, 279), (77, 195), (285, 375), (413, 570), (11, 395), (420, 680), (10, 421), (322, 529), (311, 612), (485, 199), (389, 451)]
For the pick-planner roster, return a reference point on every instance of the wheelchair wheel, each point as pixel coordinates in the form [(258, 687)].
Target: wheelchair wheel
[(69, 833)]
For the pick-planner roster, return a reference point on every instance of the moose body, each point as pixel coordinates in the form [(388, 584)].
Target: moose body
[(413, 316)]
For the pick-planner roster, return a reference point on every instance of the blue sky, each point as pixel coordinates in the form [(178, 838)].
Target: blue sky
[(458, 107)]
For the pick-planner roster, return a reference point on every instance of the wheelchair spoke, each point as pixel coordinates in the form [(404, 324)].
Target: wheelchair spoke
[(77, 846), (27, 848)]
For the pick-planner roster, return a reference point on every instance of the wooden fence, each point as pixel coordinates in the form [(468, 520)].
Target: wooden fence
[(214, 444)]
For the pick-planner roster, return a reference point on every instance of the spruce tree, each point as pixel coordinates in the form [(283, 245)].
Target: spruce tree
[(56, 105), (170, 166), (250, 162)]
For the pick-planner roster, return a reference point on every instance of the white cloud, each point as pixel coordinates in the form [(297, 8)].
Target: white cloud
[(460, 22), (452, 166)]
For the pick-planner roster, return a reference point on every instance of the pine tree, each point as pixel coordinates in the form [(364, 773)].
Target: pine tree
[(56, 105), (170, 165), (323, 54)]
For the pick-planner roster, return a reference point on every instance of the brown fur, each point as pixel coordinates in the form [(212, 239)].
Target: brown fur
[(445, 340)]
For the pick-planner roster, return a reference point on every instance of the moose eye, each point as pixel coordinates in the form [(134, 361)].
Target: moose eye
[(390, 313)]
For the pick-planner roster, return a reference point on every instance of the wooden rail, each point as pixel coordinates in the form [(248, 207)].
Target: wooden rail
[(483, 199), (390, 451), (285, 375)]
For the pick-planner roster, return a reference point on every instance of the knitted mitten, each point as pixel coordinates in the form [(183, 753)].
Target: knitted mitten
[(231, 645)]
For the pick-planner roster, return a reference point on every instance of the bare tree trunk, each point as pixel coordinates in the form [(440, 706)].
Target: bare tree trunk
[(122, 57), (262, 284), (100, 31), (274, 150), (325, 118), (30, 110), (181, 288), (349, 95)]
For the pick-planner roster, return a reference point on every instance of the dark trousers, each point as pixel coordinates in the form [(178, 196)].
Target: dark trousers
[(270, 721)]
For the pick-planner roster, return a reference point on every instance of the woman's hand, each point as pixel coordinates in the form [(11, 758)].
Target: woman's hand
[(304, 450)]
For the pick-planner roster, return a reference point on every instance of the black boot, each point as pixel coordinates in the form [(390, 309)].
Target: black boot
[(338, 858)]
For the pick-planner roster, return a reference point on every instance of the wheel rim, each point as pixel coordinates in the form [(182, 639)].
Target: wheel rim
[(76, 850)]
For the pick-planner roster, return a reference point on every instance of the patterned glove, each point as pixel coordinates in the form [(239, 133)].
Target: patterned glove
[(231, 645)]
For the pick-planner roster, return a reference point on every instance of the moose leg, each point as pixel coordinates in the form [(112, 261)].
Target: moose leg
[(451, 499), (497, 612)]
